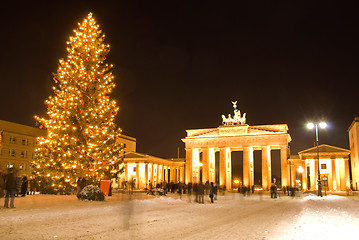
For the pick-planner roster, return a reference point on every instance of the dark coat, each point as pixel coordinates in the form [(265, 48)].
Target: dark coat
[(200, 189), (24, 185), (10, 181)]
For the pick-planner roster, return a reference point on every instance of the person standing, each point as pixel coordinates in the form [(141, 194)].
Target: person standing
[(2, 184), (24, 186), (200, 193), (10, 187)]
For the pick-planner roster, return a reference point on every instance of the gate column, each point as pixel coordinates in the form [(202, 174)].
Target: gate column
[(248, 166), (266, 167), (188, 166), (205, 165), (284, 165), (225, 168)]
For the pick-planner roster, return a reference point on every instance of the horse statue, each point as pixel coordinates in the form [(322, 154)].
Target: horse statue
[(237, 119)]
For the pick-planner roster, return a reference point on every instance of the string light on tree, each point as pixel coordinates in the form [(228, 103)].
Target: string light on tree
[(81, 133)]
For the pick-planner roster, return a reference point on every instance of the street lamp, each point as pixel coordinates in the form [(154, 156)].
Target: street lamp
[(317, 126)]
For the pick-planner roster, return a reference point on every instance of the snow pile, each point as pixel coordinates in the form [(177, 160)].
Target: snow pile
[(311, 196), (91, 193)]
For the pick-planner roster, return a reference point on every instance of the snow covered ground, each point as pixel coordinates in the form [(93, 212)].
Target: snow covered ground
[(149, 217)]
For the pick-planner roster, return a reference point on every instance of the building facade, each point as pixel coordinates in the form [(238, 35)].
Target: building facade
[(17, 146), (142, 169), (354, 151), (333, 168)]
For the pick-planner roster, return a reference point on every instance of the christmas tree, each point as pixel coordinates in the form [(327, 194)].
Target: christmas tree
[(81, 133)]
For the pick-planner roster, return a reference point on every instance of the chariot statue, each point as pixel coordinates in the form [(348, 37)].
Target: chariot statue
[(237, 118)]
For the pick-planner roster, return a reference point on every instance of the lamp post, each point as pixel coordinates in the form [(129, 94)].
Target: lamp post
[(317, 126)]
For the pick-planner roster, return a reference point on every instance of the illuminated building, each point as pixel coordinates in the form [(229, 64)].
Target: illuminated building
[(234, 135), (354, 151), (142, 169), (334, 168), (17, 146)]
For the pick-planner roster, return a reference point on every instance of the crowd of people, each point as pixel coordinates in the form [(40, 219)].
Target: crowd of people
[(198, 189), (12, 185)]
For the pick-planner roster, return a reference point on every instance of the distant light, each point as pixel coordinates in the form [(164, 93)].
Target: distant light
[(300, 169), (323, 125), (310, 125)]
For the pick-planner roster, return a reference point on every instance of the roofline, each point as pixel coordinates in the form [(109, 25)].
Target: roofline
[(356, 119), (324, 145), (128, 137)]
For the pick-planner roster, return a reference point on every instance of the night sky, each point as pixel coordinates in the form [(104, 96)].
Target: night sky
[(179, 64)]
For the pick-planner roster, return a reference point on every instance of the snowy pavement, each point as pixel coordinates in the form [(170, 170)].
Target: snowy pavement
[(149, 217)]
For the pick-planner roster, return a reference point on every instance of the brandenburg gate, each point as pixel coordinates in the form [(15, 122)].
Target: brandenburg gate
[(235, 135)]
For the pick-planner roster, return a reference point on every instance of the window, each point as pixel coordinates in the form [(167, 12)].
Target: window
[(23, 154), (323, 166), (134, 169), (12, 152), (13, 139), (25, 141)]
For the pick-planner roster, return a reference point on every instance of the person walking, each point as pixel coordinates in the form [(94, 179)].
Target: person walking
[(211, 192), (10, 187), (215, 191)]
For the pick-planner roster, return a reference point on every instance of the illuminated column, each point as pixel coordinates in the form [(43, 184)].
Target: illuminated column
[(293, 175), (266, 166), (172, 174), (212, 165), (315, 181), (195, 165), (247, 166), (146, 175), (126, 172), (157, 173), (181, 174), (188, 166), (150, 172), (304, 176), (284, 165), (222, 167), (334, 175), (228, 169), (330, 177), (347, 174), (137, 175), (160, 172), (141, 176), (312, 172), (166, 174), (205, 165)]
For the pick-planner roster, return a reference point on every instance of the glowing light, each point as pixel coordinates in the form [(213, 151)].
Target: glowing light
[(310, 125), (323, 125)]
